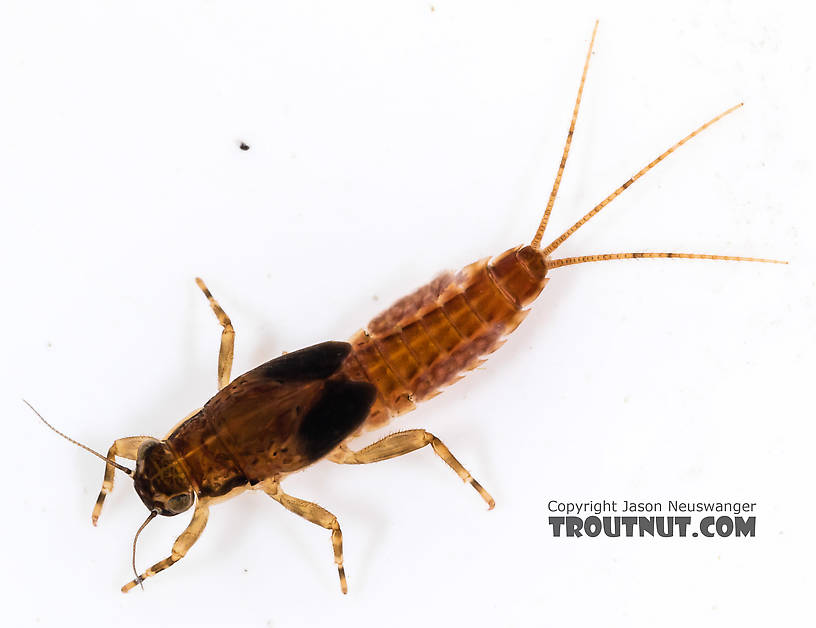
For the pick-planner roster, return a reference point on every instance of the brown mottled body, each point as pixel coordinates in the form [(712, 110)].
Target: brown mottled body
[(428, 338), (252, 429)]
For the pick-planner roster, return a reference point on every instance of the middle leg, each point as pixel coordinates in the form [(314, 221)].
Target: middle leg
[(317, 515)]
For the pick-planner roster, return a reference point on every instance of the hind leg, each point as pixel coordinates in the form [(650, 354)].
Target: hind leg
[(403, 443)]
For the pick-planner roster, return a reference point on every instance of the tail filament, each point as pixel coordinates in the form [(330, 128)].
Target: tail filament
[(569, 261)]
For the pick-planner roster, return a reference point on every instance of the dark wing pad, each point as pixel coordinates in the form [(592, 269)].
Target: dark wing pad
[(341, 409), (316, 362)]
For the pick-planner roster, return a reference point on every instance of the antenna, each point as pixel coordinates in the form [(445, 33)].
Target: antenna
[(71, 440)]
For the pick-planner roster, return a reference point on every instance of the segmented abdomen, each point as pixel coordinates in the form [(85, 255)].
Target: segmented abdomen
[(427, 339)]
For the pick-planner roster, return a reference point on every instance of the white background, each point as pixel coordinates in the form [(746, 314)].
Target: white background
[(390, 141)]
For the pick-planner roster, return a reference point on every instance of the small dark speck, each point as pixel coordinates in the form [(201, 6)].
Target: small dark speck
[(243, 146), (246, 571), (49, 345)]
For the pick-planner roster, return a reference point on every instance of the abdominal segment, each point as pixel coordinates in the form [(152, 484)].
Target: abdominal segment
[(426, 340)]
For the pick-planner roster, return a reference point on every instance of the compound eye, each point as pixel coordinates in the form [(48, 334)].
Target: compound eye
[(179, 503)]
